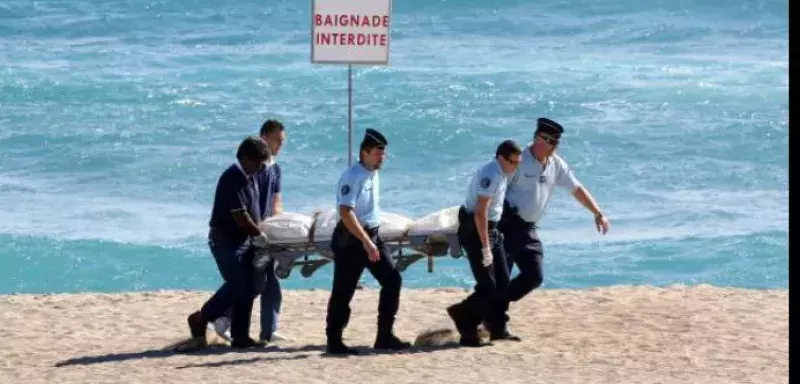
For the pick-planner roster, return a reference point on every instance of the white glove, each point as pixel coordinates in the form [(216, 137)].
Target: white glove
[(261, 240), (487, 256), (261, 258)]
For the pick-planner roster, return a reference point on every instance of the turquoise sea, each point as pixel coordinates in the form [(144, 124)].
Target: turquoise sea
[(116, 118)]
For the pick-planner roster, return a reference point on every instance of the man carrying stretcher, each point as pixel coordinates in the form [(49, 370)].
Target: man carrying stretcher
[(356, 244), (478, 234), (233, 231)]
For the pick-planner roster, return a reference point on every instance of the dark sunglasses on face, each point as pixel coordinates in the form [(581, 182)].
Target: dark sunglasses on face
[(512, 161), (549, 140)]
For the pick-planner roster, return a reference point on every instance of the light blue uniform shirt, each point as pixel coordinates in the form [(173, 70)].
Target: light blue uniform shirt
[(359, 188), (489, 181), (531, 186)]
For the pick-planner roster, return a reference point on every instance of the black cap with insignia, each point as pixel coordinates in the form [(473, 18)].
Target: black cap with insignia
[(373, 138), (550, 127)]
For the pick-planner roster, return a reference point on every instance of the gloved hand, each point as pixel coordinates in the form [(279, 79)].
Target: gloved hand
[(261, 241), (261, 257), (488, 258)]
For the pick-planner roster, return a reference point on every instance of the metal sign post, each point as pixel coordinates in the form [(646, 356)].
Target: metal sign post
[(350, 32), (349, 115)]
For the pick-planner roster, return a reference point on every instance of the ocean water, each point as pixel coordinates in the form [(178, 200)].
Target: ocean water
[(116, 118)]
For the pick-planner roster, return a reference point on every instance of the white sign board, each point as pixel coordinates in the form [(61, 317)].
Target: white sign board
[(350, 31)]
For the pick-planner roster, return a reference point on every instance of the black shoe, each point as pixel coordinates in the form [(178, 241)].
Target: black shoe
[(247, 343), (504, 335), (499, 334), (472, 341), (466, 328), (197, 326), (338, 348), (390, 341)]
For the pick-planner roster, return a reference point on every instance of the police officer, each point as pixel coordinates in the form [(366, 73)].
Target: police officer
[(477, 233), (356, 244), (529, 191), (233, 229)]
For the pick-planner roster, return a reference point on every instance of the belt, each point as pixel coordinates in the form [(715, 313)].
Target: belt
[(514, 223), (370, 231), (221, 237), (490, 223), (530, 224)]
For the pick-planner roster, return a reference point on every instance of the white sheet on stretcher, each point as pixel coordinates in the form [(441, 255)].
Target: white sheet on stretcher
[(324, 224), (292, 228), (287, 228), (393, 226), (436, 225)]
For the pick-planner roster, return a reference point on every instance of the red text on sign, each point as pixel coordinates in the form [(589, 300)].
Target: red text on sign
[(351, 21), (335, 38)]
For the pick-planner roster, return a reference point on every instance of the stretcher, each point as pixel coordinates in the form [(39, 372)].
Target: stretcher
[(299, 241)]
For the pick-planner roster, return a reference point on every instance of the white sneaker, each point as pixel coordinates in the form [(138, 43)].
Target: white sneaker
[(278, 337), (222, 327)]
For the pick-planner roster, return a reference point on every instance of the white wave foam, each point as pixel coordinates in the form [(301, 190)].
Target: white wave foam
[(33, 211), (34, 207), (673, 215), (634, 233), (189, 102)]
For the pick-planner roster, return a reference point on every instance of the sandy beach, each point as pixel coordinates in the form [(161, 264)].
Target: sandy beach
[(620, 334)]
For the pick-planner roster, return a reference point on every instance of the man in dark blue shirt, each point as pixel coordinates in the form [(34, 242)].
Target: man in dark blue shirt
[(233, 228), (269, 203)]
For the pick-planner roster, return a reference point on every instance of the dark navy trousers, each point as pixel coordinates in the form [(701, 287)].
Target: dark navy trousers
[(488, 301), (524, 249), (349, 262), (235, 262)]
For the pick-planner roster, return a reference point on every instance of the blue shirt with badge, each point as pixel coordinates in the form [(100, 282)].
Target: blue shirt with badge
[(532, 185), (489, 181), (359, 188), (235, 192)]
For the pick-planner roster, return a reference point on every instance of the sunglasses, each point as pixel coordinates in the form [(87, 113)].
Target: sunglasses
[(548, 139), (513, 162)]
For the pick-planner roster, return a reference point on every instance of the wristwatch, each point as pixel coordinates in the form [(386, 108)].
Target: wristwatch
[(599, 214)]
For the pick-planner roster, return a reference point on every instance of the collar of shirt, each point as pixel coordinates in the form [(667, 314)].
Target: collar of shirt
[(239, 165), (250, 178), (500, 167), (532, 153), (364, 167)]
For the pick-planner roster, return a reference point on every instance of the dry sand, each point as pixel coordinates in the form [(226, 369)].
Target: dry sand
[(621, 334)]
